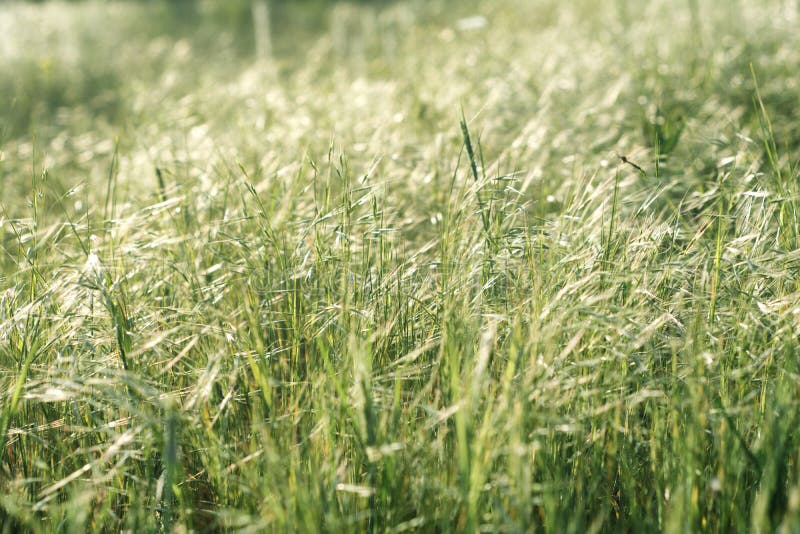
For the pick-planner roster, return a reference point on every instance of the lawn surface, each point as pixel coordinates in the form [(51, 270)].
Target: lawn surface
[(508, 265)]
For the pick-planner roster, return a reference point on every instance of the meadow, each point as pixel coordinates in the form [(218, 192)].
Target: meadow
[(496, 266)]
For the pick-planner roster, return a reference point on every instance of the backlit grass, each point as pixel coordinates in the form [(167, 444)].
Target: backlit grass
[(391, 273)]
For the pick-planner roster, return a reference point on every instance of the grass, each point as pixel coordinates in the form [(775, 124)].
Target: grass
[(396, 277)]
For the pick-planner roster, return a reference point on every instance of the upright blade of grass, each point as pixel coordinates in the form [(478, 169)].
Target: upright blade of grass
[(473, 165)]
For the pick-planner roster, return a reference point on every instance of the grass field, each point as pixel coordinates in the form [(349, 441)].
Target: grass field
[(382, 267)]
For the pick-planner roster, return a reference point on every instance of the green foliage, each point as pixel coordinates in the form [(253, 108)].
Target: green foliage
[(396, 275)]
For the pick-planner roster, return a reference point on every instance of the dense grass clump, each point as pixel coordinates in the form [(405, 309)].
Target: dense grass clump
[(384, 268)]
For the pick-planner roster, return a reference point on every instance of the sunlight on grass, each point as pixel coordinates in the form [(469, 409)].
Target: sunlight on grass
[(388, 266)]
